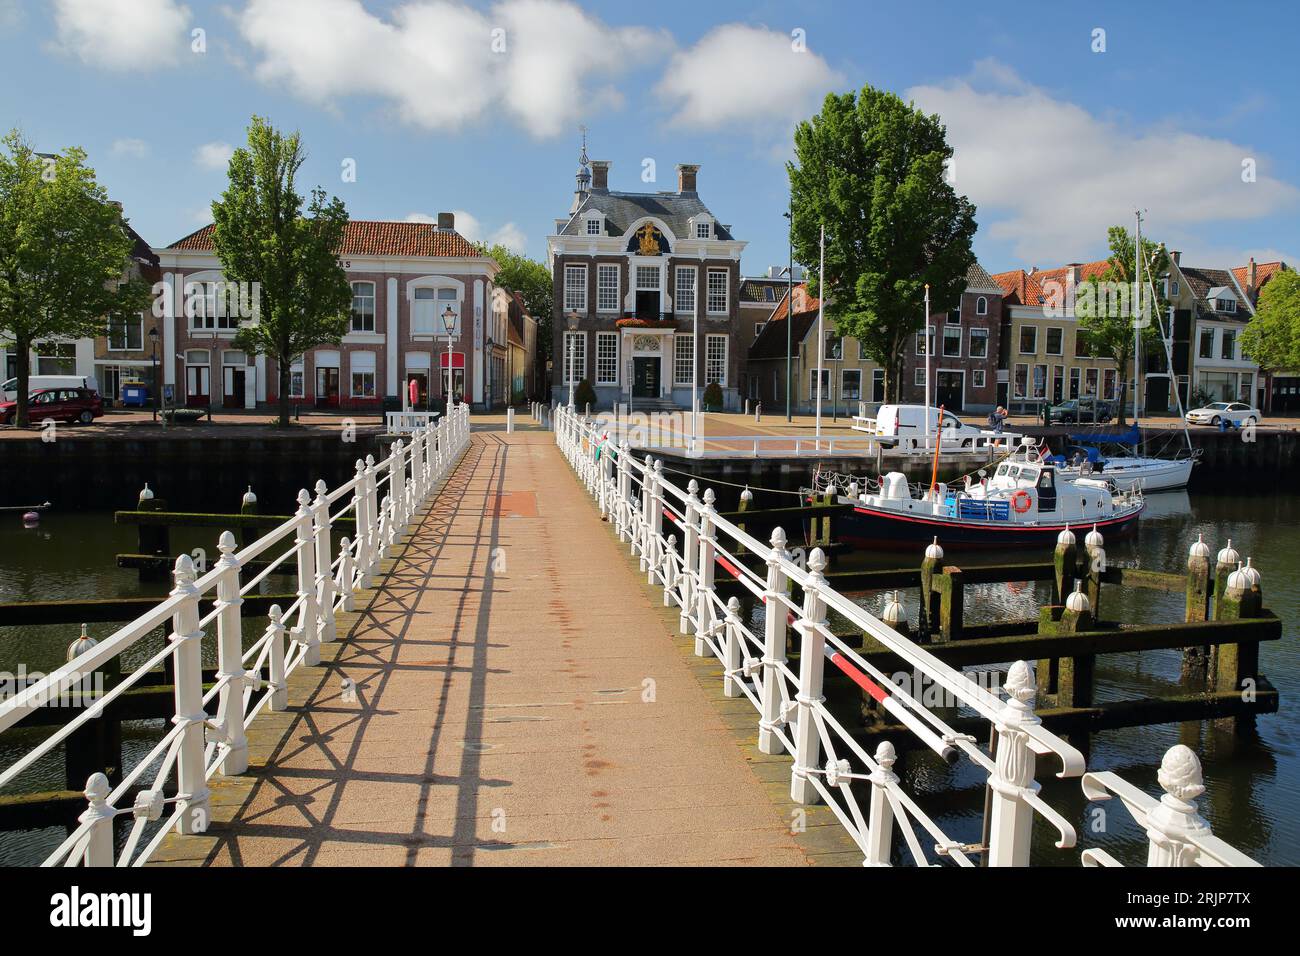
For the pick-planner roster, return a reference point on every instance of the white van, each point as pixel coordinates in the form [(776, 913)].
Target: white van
[(903, 426), (9, 389)]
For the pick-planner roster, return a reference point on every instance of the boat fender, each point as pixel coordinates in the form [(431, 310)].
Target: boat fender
[(1020, 501)]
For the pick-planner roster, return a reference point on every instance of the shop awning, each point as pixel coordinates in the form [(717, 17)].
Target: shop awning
[(457, 360)]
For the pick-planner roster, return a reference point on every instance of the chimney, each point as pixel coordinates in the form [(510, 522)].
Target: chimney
[(446, 222), (686, 176), (1175, 256), (600, 175), (1250, 276), (1075, 272)]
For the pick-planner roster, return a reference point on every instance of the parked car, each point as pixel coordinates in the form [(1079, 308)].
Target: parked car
[(903, 426), (9, 388), (61, 404), (1238, 413), (1076, 410)]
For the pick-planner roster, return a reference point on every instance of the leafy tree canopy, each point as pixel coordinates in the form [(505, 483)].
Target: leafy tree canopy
[(64, 252), (532, 280), (1272, 338), (873, 170), (264, 236)]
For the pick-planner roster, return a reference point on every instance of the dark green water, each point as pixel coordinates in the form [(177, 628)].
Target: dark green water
[(1253, 783)]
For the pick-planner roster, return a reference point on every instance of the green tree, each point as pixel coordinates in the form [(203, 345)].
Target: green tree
[(1110, 317), (1272, 337), (63, 253), (873, 170), (532, 280), (302, 297)]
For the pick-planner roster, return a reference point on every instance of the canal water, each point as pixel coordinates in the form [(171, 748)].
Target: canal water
[(1252, 794)]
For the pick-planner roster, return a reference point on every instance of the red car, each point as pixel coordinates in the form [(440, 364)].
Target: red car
[(61, 404)]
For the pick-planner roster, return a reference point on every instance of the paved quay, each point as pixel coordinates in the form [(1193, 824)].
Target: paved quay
[(509, 712)]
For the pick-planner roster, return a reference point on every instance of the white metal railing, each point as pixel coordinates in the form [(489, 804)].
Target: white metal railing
[(648, 512), (407, 423), (172, 777)]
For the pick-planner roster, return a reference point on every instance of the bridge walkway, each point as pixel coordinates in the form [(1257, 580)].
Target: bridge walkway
[(511, 694)]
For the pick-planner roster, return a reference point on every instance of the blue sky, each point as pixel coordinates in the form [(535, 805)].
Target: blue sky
[(1053, 140)]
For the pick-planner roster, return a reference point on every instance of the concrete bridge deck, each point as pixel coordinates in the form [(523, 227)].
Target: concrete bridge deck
[(521, 698)]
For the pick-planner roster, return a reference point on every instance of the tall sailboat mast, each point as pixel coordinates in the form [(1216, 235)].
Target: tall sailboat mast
[(1137, 311)]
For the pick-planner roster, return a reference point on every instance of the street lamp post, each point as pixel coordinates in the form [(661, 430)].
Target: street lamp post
[(153, 348), (789, 309), (568, 354), (449, 326)]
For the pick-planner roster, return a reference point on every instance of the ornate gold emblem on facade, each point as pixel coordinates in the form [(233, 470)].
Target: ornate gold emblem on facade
[(648, 241)]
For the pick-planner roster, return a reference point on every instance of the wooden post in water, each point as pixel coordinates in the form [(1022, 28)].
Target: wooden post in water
[(931, 565), (1236, 666), (1224, 564), (1095, 545), (951, 604), (1065, 561), (1197, 605), (248, 506), (154, 540)]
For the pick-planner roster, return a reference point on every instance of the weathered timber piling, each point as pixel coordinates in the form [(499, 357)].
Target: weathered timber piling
[(1236, 666), (153, 540), (931, 565), (1196, 659)]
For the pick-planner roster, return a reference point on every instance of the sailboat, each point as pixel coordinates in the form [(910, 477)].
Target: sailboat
[(1126, 470)]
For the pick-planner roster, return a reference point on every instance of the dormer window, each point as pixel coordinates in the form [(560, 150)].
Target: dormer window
[(701, 230), (593, 227), (1226, 305)]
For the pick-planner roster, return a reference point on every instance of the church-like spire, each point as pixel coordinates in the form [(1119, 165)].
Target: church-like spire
[(584, 173)]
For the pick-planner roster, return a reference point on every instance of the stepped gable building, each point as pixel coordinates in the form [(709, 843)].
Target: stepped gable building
[(637, 276)]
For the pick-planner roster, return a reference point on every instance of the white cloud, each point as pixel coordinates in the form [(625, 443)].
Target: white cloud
[(122, 34), (213, 156), (738, 74), (126, 146), (469, 226), (435, 61), (1049, 177)]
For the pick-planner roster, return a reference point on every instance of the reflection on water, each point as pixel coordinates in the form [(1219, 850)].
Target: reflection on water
[(1252, 782)]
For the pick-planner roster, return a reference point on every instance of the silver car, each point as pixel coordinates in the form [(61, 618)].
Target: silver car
[(1238, 413)]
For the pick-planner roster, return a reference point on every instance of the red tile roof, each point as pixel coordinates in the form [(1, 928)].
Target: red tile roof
[(1263, 272), (371, 237), (1027, 287)]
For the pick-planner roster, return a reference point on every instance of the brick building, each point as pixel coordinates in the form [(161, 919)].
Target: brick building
[(404, 277), (636, 275)]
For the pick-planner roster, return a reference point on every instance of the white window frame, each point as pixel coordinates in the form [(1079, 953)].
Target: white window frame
[(918, 375), (703, 230), (575, 289), (679, 288), (977, 379), (683, 362), (1015, 377), (604, 269), (844, 374), (726, 292), (1020, 340), (607, 360), (711, 362), (593, 226), (981, 306), (354, 371), (575, 366), (943, 348), (352, 314), (982, 335), (923, 340), (1047, 340)]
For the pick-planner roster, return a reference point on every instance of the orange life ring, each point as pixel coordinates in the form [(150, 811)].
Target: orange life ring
[(1020, 501)]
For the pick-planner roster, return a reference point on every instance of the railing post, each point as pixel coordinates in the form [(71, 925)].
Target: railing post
[(621, 497), (689, 555), (731, 650), (324, 563), (647, 503), (385, 526), (656, 518), (361, 514), (774, 655), (396, 484), (880, 812), (230, 665), (191, 775), (704, 613), (807, 742), (279, 682), (309, 615), (1172, 824), (373, 517), (347, 576), (1011, 817), (99, 815), (670, 576)]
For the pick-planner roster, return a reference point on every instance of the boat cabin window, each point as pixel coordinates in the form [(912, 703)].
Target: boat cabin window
[(1002, 471), (1047, 480)]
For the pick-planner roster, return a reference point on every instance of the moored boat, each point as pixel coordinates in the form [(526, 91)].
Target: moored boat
[(1022, 504)]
